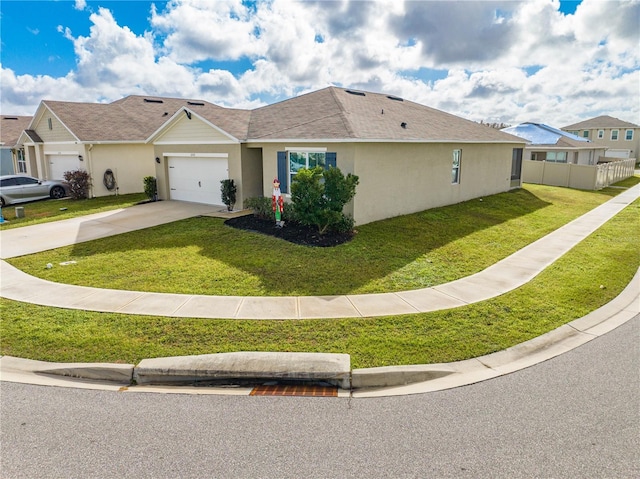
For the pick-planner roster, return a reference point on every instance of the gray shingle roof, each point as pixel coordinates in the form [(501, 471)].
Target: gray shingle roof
[(11, 127), (328, 114), (603, 121), (336, 113)]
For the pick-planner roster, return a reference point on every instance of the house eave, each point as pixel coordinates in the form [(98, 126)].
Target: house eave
[(256, 142)]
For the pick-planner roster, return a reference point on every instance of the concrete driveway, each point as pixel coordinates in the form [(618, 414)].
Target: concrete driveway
[(46, 236)]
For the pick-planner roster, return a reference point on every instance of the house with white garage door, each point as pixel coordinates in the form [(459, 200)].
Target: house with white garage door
[(107, 140), (409, 157)]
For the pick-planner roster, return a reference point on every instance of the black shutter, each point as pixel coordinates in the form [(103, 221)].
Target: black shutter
[(331, 160)]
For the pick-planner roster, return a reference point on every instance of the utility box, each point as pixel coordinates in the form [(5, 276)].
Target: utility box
[(19, 211)]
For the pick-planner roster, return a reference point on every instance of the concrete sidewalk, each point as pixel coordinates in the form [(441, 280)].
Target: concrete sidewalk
[(504, 276)]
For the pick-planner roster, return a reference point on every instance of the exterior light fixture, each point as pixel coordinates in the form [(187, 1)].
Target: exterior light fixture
[(80, 158), (158, 159)]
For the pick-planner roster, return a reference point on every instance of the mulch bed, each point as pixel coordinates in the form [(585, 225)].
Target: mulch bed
[(292, 232)]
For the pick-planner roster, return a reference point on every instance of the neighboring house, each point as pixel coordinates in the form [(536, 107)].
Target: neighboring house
[(545, 143), (621, 138), (408, 157), (11, 160), (107, 140), (558, 158)]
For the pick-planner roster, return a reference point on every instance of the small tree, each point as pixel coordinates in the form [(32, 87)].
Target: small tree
[(228, 190), (79, 183), (319, 197), (150, 187)]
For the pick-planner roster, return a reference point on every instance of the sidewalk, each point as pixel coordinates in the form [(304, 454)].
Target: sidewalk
[(502, 277)]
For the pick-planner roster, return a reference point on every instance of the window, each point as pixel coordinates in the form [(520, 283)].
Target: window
[(455, 169), (614, 135), (22, 162), (628, 135), (305, 159), (292, 160), (557, 156), (585, 134), (600, 134)]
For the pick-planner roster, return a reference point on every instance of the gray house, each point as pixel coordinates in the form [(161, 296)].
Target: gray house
[(11, 160)]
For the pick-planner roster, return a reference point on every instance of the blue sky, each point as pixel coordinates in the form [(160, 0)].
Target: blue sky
[(507, 61)]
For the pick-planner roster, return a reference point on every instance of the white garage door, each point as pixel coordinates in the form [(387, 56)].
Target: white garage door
[(197, 178), (58, 164)]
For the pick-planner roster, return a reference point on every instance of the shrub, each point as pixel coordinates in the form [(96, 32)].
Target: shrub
[(150, 187), (319, 196), (79, 183), (261, 206), (228, 190)]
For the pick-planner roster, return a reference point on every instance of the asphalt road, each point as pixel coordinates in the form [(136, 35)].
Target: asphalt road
[(575, 416)]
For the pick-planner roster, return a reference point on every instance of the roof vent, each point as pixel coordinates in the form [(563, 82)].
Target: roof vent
[(9, 117), (358, 93), (396, 98), (403, 125), (152, 100), (195, 103)]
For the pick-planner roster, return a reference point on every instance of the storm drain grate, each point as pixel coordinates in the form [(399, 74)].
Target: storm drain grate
[(295, 390)]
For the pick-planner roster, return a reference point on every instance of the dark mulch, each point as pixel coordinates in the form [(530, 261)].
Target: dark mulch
[(292, 232)]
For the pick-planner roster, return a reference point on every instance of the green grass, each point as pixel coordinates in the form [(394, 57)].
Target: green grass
[(590, 275), (203, 256), (53, 210)]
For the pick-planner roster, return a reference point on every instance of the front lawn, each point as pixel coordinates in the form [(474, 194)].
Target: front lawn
[(588, 276), (204, 256), (44, 211)]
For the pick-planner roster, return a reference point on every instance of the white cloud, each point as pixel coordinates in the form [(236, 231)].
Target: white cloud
[(80, 4), (506, 61)]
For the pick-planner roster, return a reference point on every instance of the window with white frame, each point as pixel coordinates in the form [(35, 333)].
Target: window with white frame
[(628, 135), (21, 161), (305, 159), (600, 134), (455, 169), (614, 135)]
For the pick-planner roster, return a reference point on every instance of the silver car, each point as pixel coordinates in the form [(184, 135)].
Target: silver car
[(21, 188)]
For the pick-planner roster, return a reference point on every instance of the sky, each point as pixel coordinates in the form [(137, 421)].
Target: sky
[(550, 61)]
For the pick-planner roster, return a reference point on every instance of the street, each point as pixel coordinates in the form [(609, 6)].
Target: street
[(575, 416)]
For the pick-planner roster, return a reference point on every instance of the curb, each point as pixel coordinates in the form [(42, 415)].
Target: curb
[(332, 368)]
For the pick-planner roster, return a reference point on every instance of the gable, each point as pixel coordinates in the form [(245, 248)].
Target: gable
[(185, 131), (50, 129)]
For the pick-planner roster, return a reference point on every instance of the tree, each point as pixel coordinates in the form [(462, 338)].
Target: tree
[(319, 196)]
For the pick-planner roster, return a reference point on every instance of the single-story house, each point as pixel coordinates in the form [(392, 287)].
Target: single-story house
[(559, 158), (409, 157), (621, 138), (107, 140), (11, 127), (545, 143)]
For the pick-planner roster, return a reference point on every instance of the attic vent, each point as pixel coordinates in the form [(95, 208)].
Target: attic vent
[(195, 103), (396, 98), (152, 100), (359, 93), (9, 118), (403, 124)]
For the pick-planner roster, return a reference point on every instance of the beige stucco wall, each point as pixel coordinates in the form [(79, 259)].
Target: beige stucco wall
[(401, 178), (620, 143), (130, 163), (397, 179), (161, 171)]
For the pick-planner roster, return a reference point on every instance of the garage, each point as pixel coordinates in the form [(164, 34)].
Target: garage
[(59, 163), (196, 177)]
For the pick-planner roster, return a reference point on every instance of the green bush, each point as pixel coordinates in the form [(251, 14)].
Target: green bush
[(79, 183), (319, 196), (150, 187), (262, 208), (228, 190)]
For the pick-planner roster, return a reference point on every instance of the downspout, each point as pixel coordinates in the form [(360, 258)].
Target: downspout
[(90, 167)]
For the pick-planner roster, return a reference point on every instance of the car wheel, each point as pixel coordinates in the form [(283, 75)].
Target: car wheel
[(57, 192), (2, 202)]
